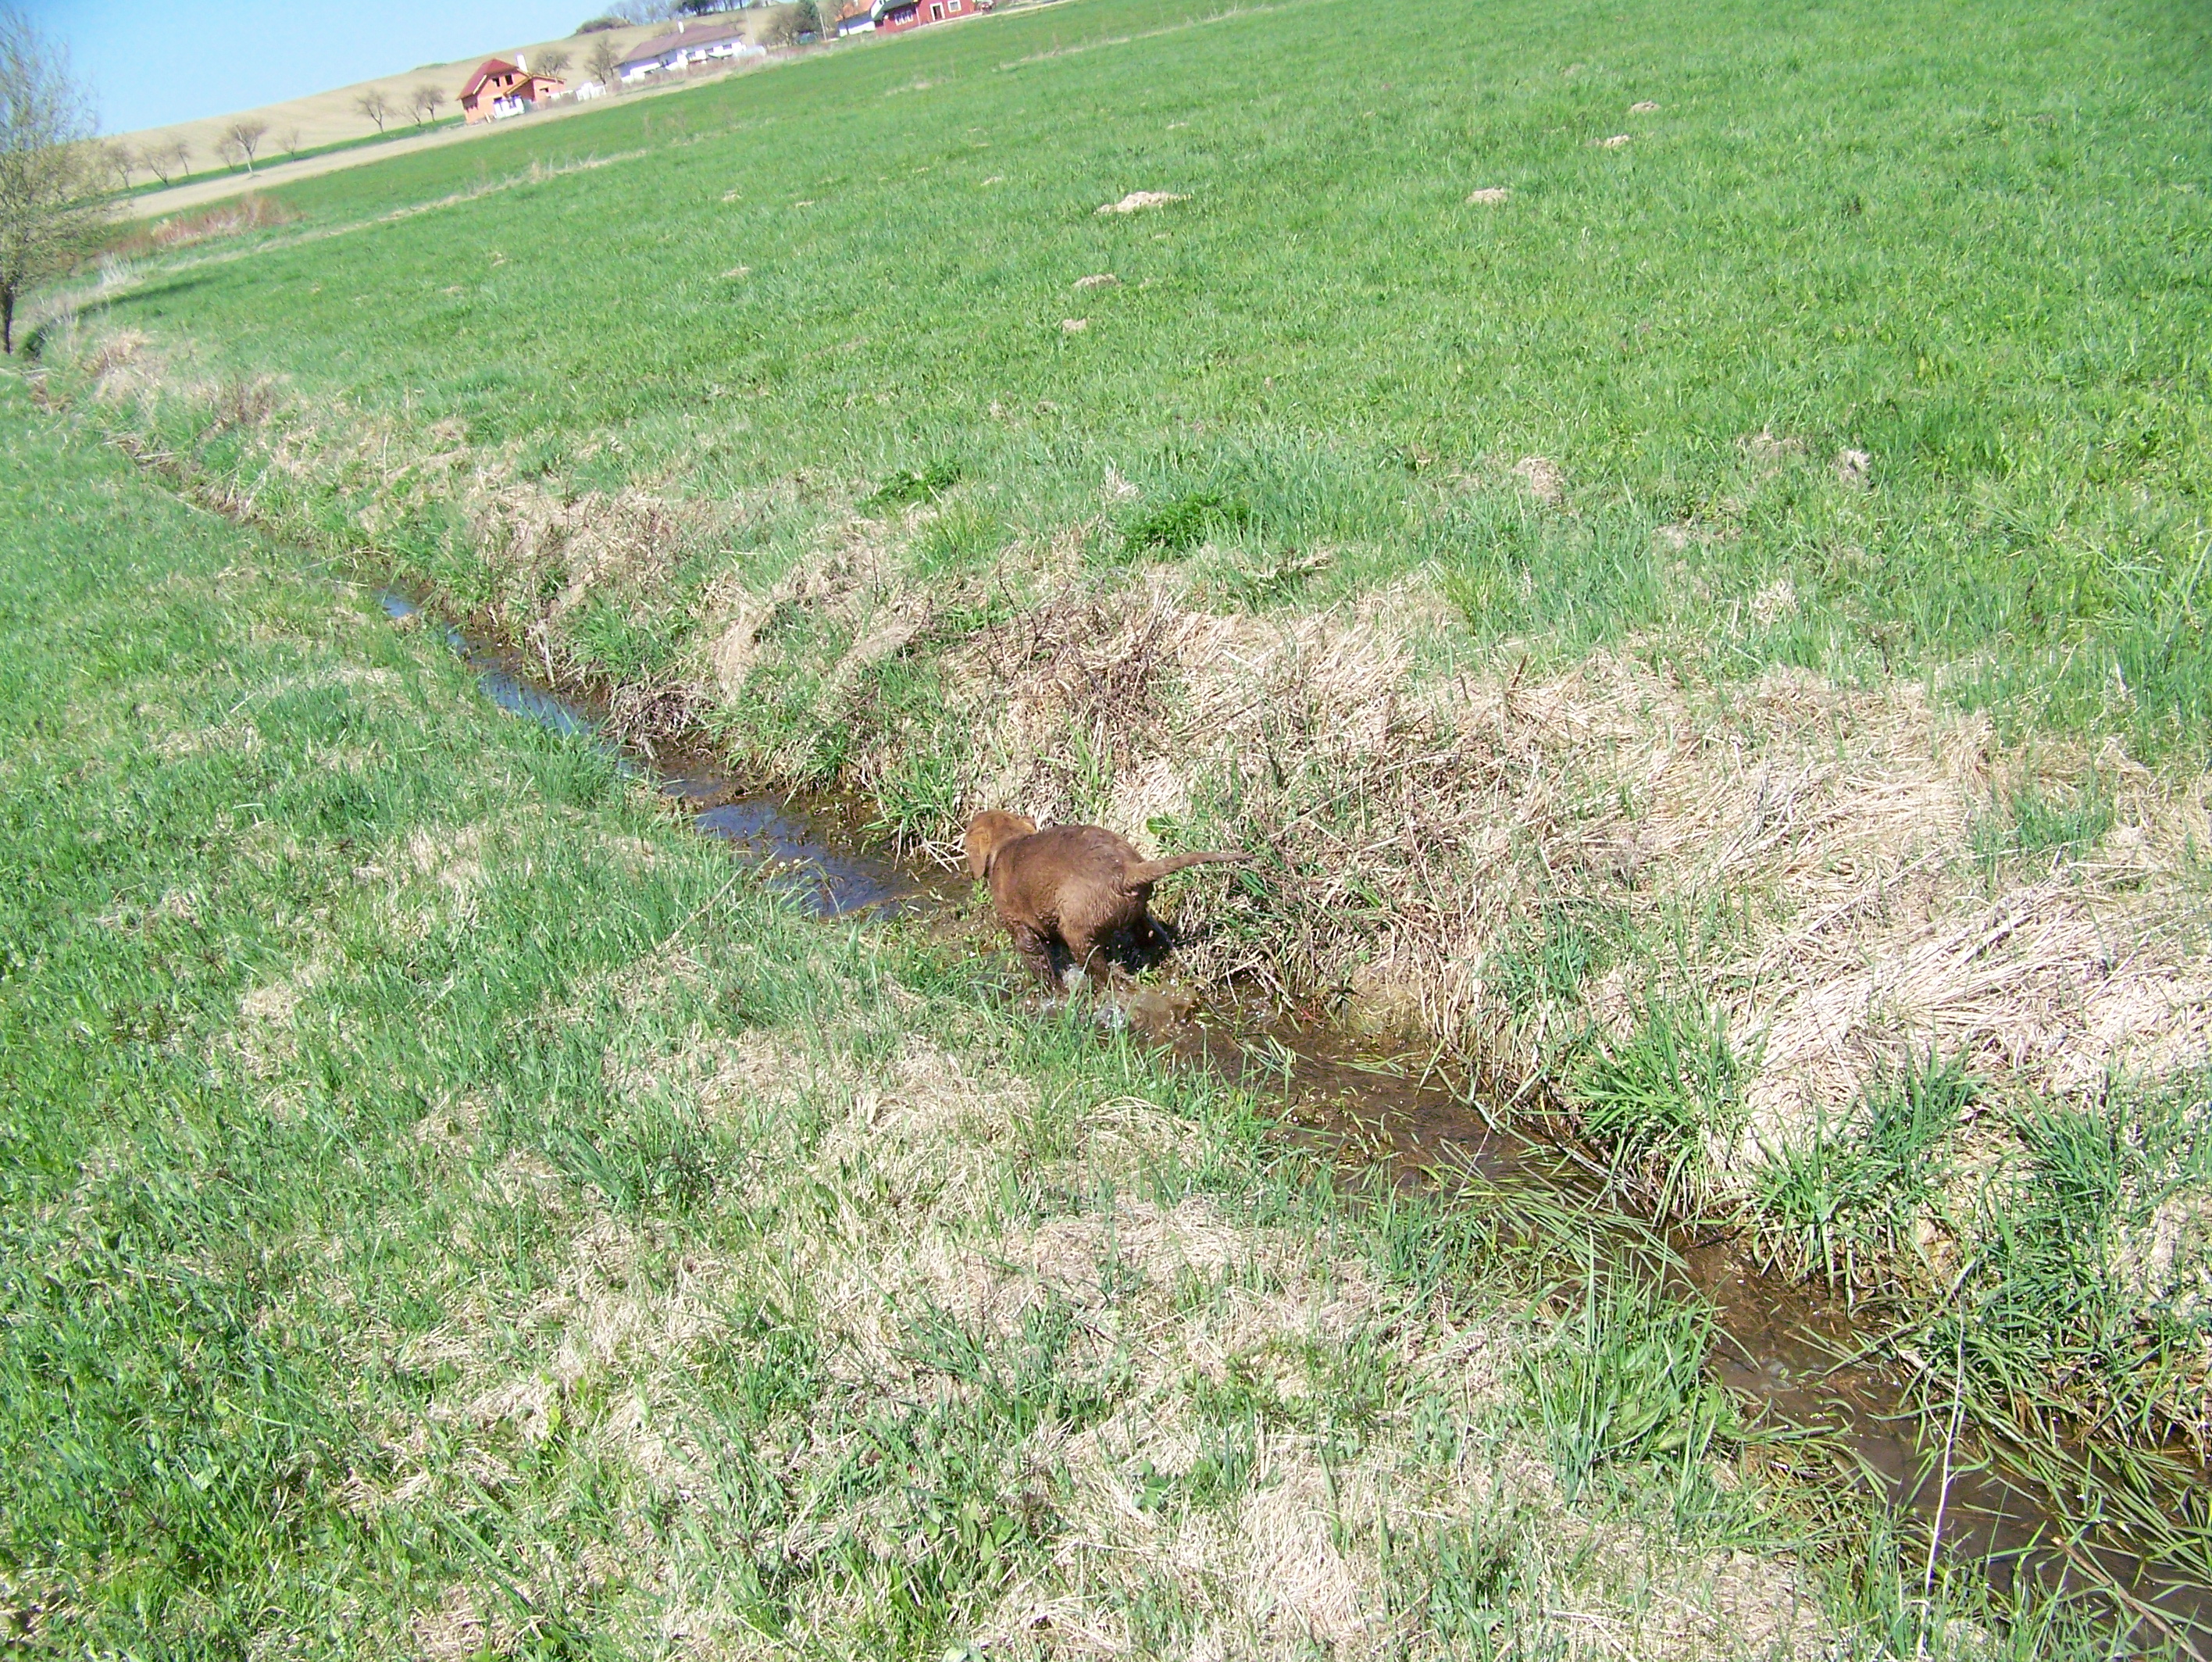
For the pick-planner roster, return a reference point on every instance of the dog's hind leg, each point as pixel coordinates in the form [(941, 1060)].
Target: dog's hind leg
[(1089, 953), (1036, 952), (1151, 939)]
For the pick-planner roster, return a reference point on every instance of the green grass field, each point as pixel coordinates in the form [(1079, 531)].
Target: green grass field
[(1969, 239), (1676, 534), (451, 1212)]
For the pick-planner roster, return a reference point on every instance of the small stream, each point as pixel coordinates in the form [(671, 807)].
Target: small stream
[(1795, 1352), (811, 856)]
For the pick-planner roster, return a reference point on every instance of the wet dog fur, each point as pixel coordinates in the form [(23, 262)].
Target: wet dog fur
[(1073, 895)]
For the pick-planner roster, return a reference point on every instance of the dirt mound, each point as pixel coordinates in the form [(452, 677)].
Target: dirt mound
[(1545, 480), (1137, 201)]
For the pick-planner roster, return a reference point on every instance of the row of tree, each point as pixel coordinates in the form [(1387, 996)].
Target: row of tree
[(167, 161), (423, 102), (633, 12), (240, 144)]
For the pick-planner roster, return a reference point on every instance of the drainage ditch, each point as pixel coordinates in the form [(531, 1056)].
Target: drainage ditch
[(1801, 1357)]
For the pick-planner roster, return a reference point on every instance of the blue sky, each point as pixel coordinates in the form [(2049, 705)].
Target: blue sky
[(152, 62)]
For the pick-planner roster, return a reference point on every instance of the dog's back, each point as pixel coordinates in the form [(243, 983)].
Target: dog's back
[(1067, 872)]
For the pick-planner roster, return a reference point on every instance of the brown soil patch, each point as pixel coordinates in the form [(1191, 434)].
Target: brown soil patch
[(1545, 480)]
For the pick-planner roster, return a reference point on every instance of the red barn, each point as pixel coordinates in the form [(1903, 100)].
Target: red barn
[(500, 88), (889, 17)]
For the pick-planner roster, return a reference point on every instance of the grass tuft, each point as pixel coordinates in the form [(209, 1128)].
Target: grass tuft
[(2034, 820), (1843, 1205), (1181, 523), (1651, 1100), (905, 489), (1620, 1382)]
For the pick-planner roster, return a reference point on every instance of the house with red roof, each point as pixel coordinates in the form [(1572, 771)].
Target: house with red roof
[(889, 17), (500, 88)]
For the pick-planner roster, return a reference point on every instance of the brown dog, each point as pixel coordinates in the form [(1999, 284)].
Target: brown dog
[(1074, 889)]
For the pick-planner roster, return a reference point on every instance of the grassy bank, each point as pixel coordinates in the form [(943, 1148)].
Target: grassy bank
[(450, 1211), (1960, 239), (1677, 535)]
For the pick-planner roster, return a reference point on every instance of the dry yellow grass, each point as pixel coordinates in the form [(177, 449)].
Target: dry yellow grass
[(1168, 1305)]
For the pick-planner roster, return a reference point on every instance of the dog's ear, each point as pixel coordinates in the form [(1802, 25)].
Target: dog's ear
[(982, 844)]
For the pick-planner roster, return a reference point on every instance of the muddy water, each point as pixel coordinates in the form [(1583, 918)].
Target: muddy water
[(811, 855), (1799, 1355)]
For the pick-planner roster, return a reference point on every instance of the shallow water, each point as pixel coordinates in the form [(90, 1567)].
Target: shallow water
[(811, 856), (1799, 1354), (808, 852)]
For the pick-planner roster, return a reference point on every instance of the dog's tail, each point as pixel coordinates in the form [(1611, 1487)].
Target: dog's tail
[(1151, 871)]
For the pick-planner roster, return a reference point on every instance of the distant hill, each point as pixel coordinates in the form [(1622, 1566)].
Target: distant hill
[(332, 118)]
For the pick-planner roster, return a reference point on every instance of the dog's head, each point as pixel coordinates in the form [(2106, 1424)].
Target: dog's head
[(988, 832)]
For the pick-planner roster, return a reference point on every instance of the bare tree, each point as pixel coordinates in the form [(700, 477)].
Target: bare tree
[(553, 63), (245, 138), (167, 161), (122, 160), (289, 140), (375, 107), (604, 63), (52, 198), (423, 102)]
